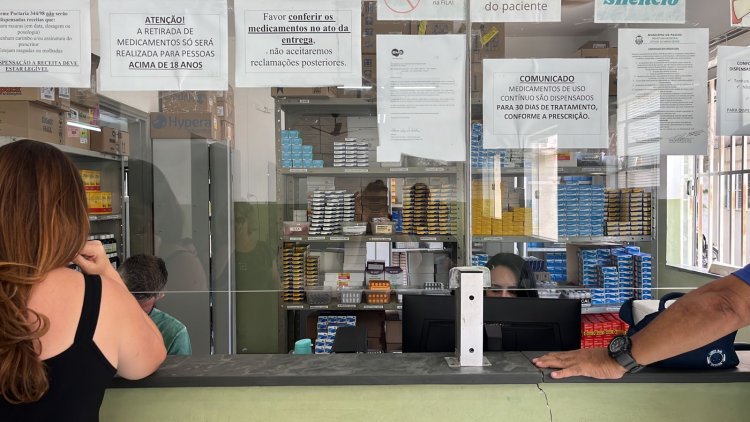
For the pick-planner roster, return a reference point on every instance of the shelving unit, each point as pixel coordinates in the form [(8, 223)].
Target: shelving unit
[(292, 192)]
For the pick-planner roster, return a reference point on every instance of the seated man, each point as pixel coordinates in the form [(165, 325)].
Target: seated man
[(511, 277), (146, 276)]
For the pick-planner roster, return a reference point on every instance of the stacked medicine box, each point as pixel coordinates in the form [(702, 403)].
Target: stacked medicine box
[(642, 266), (351, 153), (624, 261), (587, 268), (293, 261), (479, 259), (557, 266), (294, 153), (482, 158), (329, 209), (580, 209), (327, 327)]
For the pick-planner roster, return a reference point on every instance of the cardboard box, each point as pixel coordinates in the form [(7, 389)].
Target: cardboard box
[(488, 41), (227, 96), (31, 120), (77, 138), (185, 126), (435, 27), (111, 141), (87, 97), (44, 95), (321, 92), (187, 101), (225, 111), (63, 98), (99, 202), (393, 332), (371, 27)]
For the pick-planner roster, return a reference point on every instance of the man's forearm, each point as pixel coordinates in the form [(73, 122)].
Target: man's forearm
[(695, 320)]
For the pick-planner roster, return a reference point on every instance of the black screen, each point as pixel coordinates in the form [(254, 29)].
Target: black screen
[(511, 324)]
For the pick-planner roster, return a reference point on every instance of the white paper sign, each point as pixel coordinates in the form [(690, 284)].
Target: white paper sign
[(662, 101), (516, 10), (421, 97), (740, 11), (164, 45), (298, 43), (733, 91), (639, 11), (45, 43), (408, 10), (528, 101)]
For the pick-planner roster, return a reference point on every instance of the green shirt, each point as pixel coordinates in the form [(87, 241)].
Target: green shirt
[(175, 334)]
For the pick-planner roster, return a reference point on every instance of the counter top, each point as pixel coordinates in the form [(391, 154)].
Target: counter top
[(387, 369)]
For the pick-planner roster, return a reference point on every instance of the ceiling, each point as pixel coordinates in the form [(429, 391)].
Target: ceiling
[(578, 20)]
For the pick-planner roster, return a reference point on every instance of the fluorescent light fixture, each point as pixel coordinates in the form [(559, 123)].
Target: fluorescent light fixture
[(85, 126), (415, 88), (364, 88)]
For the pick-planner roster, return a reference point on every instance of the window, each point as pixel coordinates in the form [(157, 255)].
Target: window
[(709, 203)]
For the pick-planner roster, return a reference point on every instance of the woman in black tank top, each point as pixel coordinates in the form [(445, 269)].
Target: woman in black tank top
[(43, 227)]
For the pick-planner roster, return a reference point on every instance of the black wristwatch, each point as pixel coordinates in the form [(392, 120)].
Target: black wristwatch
[(619, 350)]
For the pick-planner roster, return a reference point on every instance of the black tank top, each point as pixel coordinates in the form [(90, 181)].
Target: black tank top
[(77, 377)]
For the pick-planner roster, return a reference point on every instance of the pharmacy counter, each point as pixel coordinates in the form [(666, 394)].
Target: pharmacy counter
[(418, 387)]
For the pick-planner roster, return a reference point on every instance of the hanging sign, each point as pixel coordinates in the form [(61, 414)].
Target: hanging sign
[(528, 101), (662, 100), (298, 43), (733, 91), (45, 43), (413, 10), (516, 10), (421, 97), (740, 9), (165, 45), (639, 11)]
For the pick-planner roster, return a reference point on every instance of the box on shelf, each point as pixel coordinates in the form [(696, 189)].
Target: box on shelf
[(318, 92), (371, 28), (187, 101), (227, 132), (369, 73), (225, 112), (293, 228), (44, 95), (602, 50), (185, 126), (92, 180), (111, 141), (435, 27), (77, 138), (488, 41), (31, 120), (87, 97), (63, 98), (99, 202)]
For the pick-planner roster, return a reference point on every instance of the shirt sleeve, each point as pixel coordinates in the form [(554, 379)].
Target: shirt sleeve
[(180, 344), (744, 274)]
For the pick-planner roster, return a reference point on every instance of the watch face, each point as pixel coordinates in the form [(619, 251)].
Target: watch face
[(617, 344)]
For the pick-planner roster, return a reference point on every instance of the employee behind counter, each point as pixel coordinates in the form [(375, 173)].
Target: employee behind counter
[(511, 277)]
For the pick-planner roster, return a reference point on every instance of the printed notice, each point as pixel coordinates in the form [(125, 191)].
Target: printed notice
[(421, 97), (46, 43), (529, 101), (291, 43), (165, 45), (516, 10), (733, 91), (434, 10), (639, 11), (662, 101), (740, 11)]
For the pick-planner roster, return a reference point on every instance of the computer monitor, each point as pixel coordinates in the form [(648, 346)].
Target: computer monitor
[(511, 324)]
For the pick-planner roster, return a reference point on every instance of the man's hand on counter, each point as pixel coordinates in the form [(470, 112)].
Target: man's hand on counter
[(593, 363)]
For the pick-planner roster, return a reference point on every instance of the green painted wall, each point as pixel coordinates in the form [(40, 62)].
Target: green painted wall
[(524, 402)]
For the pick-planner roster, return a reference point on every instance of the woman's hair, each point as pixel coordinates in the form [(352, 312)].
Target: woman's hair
[(521, 270), (43, 226)]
